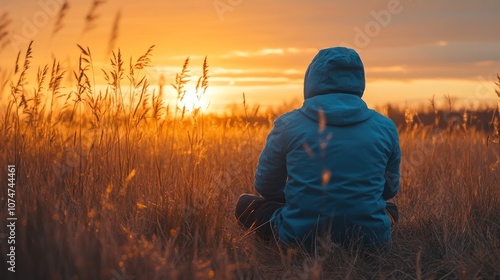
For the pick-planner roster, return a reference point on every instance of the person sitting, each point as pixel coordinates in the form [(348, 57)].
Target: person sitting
[(329, 167)]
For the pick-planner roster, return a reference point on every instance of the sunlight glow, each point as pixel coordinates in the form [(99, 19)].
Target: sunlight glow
[(442, 43), (191, 101)]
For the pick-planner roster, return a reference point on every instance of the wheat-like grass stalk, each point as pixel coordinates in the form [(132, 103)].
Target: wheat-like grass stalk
[(202, 84), (55, 86), (19, 100), (4, 80), (181, 79), (114, 32), (113, 78), (5, 22), (32, 109), (494, 123), (142, 62), (82, 87), (157, 101), (497, 91), (497, 120), (60, 17), (497, 83), (409, 118), (97, 102), (435, 110), (197, 134), (17, 89), (449, 102), (139, 86), (92, 15)]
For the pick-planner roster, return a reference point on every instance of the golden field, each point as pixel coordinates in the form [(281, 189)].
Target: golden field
[(116, 185)]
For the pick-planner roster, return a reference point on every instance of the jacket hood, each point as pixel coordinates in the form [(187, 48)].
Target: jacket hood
[(335, 70), (336, 109)]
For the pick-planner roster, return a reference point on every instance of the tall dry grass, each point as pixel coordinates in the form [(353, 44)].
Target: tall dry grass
[(114, 184), (5, 22), (61, 14), (92, 15)]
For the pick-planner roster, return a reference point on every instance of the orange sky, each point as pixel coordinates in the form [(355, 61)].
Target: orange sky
[(411, 49)]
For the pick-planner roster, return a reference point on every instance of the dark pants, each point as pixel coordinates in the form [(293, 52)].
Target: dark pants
[(254, 212)]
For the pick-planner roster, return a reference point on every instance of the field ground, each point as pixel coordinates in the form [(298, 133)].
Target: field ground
[(155, 202)]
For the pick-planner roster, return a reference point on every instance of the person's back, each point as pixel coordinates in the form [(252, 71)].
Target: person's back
[(334, 161)]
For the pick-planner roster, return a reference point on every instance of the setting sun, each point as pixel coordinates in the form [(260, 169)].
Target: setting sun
[(192, 101)]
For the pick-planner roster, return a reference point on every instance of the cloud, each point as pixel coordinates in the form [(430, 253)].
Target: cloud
[(274, 41), (244, 81), (267, 52)]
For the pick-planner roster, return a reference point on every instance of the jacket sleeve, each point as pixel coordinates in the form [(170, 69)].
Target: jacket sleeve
[(271, 174), (392, 171)]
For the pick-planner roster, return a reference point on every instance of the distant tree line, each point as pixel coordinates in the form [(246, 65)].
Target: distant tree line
[(483, 119)]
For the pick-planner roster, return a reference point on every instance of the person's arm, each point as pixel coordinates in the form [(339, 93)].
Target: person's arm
[(271, 174), (392, 172)]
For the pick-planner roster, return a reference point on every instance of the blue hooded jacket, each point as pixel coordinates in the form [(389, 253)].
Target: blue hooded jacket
[(334, 161)]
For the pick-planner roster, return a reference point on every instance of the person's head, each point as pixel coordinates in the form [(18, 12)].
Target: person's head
[(335, 70)]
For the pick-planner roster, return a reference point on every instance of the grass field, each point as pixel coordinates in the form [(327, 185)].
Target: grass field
[(113, 185)]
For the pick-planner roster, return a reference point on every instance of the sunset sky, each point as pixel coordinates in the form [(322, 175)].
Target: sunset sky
[(412, 49)]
